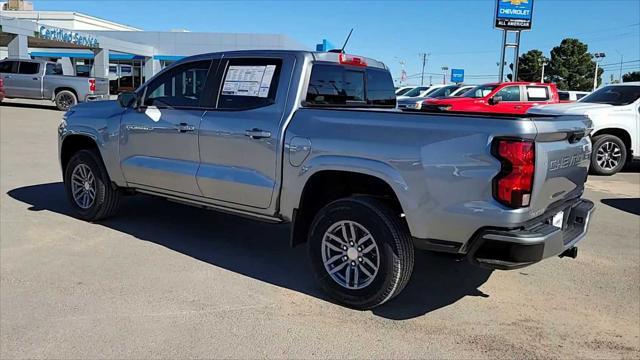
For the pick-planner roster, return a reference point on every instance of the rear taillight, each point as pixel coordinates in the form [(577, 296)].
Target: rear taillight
[(514, 184), (92, 85), (352, 60)]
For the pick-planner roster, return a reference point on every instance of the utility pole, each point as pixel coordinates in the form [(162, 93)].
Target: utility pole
[(621, 59), (425, 58), (598, 56)]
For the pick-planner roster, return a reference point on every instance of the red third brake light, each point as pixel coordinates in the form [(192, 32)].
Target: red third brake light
[(514, 184), (352, 60), (92, 85)]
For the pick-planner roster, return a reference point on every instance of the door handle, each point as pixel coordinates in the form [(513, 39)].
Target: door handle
[(257, 133), (184, 127), (7, 77), (35, 79)]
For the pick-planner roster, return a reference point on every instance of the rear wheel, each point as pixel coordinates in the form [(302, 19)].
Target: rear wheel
[(609, 155), (65, 99), (88, 187), (361, 253)]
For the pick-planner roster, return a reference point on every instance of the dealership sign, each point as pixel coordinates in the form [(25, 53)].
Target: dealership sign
[(514, 14), (67, 36), (457, 75)]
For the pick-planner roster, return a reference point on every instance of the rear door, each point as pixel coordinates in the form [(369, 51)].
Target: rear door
[(239, 138), (8, 70), (28, 80), (159, 138)]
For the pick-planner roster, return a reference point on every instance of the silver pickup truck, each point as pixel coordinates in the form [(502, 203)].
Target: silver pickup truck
[(314, 139), (43, 80)]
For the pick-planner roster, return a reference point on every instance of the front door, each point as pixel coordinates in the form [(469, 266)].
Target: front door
[(239, 139), (159, 138), (511, 102)]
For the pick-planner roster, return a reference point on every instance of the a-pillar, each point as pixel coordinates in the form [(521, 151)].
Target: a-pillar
[(100, 63), (18, 47), (151, 67)]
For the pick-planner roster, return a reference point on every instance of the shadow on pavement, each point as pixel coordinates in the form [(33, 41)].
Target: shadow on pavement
[(261, 251), (28, 106), (630, 205)]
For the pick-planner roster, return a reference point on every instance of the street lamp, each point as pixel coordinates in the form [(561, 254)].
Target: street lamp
[(544, 64), (444, 76), (598, 56)]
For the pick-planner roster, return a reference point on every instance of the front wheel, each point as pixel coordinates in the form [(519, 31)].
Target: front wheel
[(361, 252), (88, 187), (65, 99), (609, 155)]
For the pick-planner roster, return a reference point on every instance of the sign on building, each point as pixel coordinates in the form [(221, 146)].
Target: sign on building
[(457, 75), (67, 36), (514, 14)]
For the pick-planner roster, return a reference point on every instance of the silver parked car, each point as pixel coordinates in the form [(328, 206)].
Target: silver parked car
[(314, 139), (43, 80)]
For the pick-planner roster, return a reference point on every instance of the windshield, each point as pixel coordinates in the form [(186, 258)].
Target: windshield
[(480, 91), (416, 91), (403, 91), (613, 95), (443, 91)]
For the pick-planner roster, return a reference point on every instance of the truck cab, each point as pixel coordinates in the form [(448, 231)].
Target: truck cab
[(498, 98)]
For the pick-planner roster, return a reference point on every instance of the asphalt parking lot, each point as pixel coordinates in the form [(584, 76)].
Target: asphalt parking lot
[(167, 280)]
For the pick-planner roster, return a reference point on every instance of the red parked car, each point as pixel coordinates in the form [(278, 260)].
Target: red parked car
[(500, 98)]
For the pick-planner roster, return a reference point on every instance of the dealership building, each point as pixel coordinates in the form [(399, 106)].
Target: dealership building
[(89, 46)]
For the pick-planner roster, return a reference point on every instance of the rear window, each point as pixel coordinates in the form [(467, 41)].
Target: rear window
[(28, 68), (335, 85), (537, 93)]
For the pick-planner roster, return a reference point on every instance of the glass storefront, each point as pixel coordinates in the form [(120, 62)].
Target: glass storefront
[(125, 75)]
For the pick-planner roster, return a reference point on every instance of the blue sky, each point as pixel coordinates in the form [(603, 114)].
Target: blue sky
[(457, 33)]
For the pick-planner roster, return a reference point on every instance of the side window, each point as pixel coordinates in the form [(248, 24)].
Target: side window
[(28, 68), (53, 69), (249, 83), (8, 67), (580, 96), (563, 95), (336, 85), (509, 93), (180, 86), (537, 93), (380, 88)]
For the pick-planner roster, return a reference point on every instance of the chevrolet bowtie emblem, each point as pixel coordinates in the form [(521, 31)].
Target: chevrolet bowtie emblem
[(516, 2)]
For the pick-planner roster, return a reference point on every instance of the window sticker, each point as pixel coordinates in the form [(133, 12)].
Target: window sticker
[(249, 80), (537, 92)]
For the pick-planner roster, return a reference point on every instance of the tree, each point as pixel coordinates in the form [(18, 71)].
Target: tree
[(572, 67), (631, 76), (530, 66)]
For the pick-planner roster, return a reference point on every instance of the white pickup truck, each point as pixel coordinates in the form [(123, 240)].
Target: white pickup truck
[(615, 112)]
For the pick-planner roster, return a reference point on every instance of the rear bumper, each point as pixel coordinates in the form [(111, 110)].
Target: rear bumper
[(96, 97), (511, 249)]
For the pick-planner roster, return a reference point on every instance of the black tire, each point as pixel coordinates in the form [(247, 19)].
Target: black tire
[(394, 246), (106, 198), (601, 144), (65, 99)]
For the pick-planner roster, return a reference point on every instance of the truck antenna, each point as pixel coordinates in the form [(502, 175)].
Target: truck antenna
[(346, 41)]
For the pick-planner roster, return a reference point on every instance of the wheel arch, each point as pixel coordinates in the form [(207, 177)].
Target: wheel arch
[(73, 143), (63, 88), (329, 184), (620, 133)]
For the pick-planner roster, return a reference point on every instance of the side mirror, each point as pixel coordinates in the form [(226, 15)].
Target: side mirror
[(495, 100), (127, 99)]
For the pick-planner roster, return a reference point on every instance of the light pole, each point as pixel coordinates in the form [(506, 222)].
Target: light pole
[(444, 76), (598, 56), (544, 64), (621, 59), (425, 58)]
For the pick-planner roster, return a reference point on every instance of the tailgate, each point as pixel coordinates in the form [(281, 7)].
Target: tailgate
[(102, 86), (563, 150)]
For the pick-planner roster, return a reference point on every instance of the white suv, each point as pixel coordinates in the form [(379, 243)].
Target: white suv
[(615, 112)]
